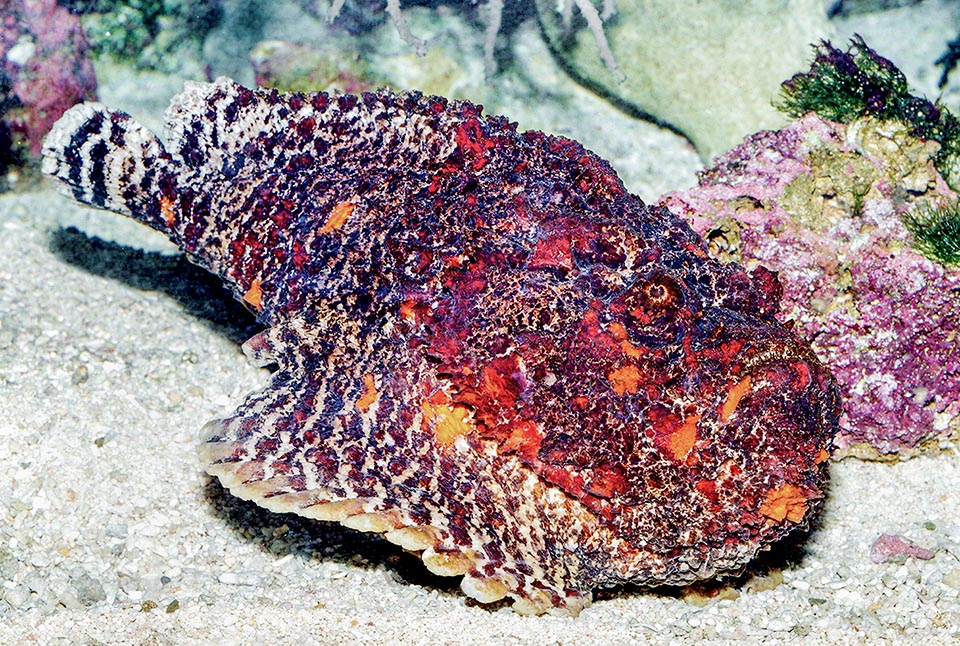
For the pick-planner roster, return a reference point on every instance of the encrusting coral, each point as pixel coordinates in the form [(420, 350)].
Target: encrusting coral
[(44, 69), (847, 215)]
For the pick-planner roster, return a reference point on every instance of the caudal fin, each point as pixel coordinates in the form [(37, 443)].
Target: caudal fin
[(106, 159)]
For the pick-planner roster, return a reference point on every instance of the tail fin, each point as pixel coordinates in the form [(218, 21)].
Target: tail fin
[(106, 159)]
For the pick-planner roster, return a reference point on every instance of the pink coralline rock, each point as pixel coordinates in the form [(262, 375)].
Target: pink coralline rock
[(821, 204), (890, 547), (43, 68)]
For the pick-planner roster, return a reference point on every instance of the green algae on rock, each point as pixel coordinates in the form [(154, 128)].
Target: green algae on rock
[(936, 232), (150, 34), (845, 86)]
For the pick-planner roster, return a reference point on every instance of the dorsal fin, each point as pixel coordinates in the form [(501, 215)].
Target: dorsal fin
[(232, 130), (208, 124)]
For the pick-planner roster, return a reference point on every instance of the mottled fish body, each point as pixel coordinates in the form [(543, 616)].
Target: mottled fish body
[(487, 350)]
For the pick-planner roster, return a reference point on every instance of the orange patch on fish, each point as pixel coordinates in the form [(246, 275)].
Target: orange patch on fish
[(254, 295), (787, 501), (408, 311), (733, 398), (338, 216), (619, 331), (625, 379), (683, 439), (166, 211), (369, 393), (448, 420)]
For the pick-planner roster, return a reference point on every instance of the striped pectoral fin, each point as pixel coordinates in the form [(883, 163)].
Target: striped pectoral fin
[(312, 441), (309, 444), (105, 159), (343, 433), (279, 449), (293, 448)]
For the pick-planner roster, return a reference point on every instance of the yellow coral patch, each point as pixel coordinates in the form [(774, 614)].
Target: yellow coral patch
[(786, 501)]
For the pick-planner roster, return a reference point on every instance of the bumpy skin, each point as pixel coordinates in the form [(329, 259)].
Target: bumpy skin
[(487, 349)]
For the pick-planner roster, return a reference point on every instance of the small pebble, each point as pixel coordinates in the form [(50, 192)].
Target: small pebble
[(116, 530), (89, 590), (952, 578), (15, 597), (890, 547), (7, 335), (80, 375)]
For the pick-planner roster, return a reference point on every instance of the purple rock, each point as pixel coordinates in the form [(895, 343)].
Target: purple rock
[(43, 68)]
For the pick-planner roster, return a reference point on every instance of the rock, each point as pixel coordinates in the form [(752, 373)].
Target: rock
[(822, 204), (294, 68), (708, 69), (952, 578), (44, 69)]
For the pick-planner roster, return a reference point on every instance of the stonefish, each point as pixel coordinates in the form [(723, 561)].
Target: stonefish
[(486, 349)]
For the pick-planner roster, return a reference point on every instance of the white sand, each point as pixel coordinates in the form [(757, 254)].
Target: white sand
[(112, 358)]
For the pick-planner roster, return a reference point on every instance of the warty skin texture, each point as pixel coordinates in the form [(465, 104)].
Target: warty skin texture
[(487, 350)]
